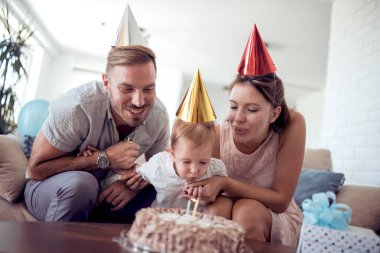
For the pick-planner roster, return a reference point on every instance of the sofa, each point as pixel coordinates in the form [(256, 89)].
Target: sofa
[(13, 163), (364, 200)]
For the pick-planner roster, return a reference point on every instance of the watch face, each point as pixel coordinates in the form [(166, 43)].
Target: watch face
[(103, 162)]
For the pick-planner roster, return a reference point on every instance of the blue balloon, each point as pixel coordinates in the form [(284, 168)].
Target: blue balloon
[(32, 116)]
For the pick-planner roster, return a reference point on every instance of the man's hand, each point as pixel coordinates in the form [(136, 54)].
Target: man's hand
[(117, 195), (122, 155)]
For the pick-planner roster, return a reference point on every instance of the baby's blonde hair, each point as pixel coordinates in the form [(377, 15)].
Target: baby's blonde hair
[(197, 133)]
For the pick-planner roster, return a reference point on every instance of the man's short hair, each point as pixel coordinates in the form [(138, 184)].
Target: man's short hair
[(125, 55)]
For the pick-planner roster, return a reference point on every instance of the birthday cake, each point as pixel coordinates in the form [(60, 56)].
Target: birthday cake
[(171, 230)]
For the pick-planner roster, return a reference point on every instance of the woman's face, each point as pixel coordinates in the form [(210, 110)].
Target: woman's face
[(250, 116)]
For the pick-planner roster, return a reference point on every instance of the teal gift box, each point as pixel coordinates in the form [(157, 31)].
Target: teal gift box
[(315, 238)]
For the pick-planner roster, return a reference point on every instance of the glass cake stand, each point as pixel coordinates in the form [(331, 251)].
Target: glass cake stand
[(130, 246)]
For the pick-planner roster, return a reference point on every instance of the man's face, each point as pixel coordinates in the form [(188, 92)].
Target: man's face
[(132, 91)]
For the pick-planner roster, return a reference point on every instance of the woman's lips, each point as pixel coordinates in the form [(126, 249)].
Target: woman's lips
[(240, 130)]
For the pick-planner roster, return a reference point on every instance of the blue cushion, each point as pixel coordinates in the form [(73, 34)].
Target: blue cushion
[(28, 143), (313, 181)]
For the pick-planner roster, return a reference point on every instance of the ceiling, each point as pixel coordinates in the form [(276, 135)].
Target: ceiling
[(209, 34)]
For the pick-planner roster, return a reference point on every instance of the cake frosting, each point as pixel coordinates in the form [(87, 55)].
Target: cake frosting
[(171, 230)]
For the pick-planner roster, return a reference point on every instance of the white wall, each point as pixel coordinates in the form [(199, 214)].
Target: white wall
[(168, 86), (351, 120), (64, 71), (219, 100), (312, 109)]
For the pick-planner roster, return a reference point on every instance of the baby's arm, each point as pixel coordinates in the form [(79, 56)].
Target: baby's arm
[(151, 169), (132, 178), (144, 170)]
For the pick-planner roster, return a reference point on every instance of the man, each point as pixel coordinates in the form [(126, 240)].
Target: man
[(64, 186)]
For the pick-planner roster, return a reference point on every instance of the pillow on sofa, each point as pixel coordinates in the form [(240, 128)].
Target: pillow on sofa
[(313, 181), (12, 167), (28, 144)]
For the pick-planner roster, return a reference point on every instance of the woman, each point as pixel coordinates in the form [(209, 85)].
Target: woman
[(262, 144)]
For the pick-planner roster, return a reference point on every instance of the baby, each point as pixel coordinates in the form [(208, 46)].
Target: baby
[(187, 160)]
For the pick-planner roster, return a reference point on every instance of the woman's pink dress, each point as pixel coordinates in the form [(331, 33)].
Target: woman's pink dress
[(258, 169)]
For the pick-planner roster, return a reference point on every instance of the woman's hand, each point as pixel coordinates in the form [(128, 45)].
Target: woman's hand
[(211, 187), (117, 195), (193, 192)]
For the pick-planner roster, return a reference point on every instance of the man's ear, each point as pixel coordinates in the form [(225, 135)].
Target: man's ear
[(275, 113), (106, 81)]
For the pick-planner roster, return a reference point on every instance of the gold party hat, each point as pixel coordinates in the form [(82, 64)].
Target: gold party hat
[(196, 106), (129, 32)]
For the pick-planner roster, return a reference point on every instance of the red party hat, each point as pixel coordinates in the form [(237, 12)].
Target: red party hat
[(256, 60)]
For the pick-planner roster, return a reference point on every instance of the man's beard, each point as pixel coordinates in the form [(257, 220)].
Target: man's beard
[(136, 121), (121, 111)]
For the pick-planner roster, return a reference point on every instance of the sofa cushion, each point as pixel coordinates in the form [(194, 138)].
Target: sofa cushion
[(14, 211), (365, 204), (317, 159), (28, 144), (313, 181), (13, 163)]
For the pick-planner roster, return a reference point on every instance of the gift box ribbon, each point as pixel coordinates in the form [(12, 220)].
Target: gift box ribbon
[(322, 210)]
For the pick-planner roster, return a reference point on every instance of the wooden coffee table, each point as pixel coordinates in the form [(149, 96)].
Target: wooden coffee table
[(72, 237)]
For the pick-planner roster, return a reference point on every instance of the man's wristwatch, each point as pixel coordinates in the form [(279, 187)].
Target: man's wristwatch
[(102, 161)]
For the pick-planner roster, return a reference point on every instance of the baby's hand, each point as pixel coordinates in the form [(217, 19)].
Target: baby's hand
[(132, 178), (88, 152)]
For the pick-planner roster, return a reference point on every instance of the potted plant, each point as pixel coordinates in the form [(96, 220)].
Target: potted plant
[(13, 59)]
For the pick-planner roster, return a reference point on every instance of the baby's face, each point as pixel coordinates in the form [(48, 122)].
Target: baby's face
[(191, 163)]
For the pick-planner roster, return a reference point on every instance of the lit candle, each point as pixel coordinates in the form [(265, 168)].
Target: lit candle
[(195, 207), (188, 207)]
